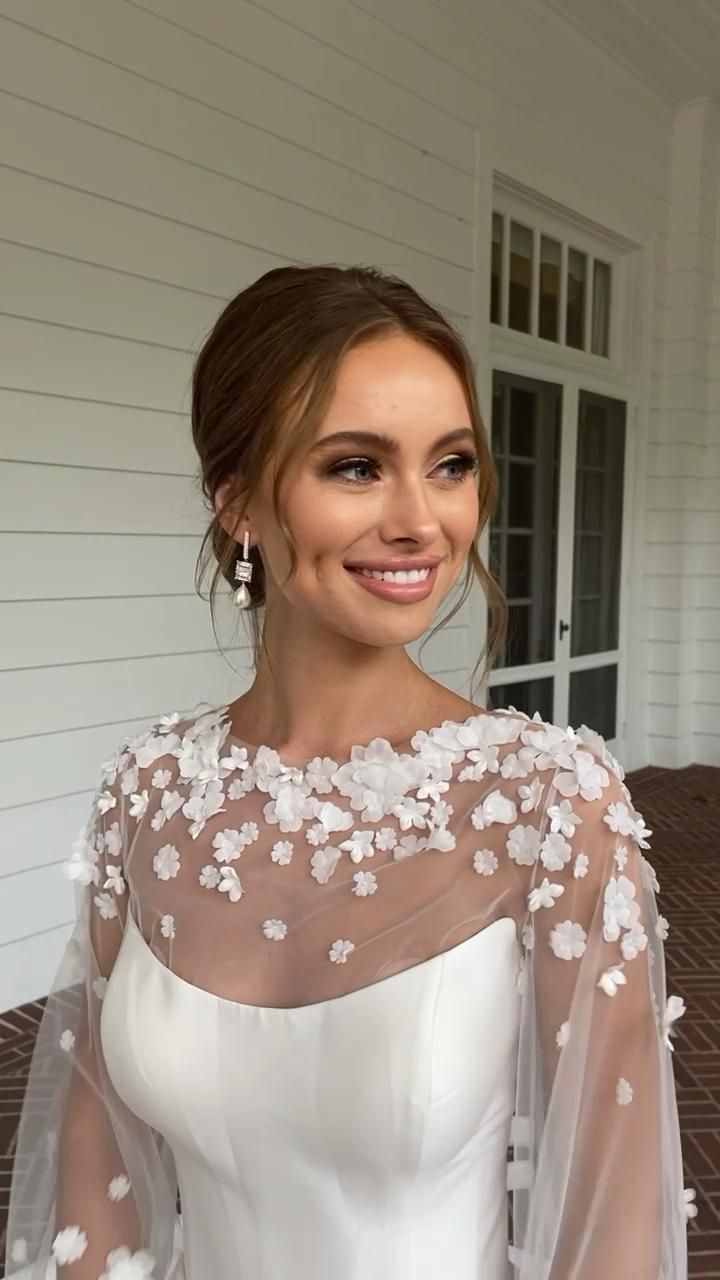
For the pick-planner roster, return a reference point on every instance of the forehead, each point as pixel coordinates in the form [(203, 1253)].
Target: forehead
[(396, 380)]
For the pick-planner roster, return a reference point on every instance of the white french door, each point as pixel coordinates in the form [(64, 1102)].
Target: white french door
[(557, 546)]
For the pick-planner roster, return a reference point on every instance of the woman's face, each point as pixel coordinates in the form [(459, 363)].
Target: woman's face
[(411, 498)]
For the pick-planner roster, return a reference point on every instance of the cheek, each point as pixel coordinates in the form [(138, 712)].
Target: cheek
[(325, 520), (461, 520)]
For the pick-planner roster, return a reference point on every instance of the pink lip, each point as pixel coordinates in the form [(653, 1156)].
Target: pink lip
[(407, 592)]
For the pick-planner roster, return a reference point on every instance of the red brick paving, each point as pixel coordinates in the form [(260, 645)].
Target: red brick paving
[(682, 808)]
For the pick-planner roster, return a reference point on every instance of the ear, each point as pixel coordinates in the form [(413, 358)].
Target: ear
[(232, 517)]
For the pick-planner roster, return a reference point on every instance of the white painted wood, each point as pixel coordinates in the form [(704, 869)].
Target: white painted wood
[(40, 834), (28, 967), (51, 566), (188, 190), (295, 94), (43, 896), (675, 48), (78, 432)]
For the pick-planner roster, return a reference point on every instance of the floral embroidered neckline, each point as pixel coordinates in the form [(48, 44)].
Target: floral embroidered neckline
[(403, 747)]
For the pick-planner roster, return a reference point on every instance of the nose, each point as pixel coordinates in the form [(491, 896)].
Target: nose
[(411, 512)]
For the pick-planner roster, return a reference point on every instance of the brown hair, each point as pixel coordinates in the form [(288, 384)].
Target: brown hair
[(262, 383)]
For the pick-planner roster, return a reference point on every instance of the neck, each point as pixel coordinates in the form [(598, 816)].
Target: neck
[(321, 698)]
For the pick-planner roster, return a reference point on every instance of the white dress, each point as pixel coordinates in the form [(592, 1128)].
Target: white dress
[(393, 1018)]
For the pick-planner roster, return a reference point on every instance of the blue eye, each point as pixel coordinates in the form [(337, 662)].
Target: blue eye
[(465, 462)]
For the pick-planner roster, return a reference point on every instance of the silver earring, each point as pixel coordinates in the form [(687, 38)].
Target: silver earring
[(243, 574)]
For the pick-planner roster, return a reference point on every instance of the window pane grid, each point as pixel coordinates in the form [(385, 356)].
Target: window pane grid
[(548, 288)]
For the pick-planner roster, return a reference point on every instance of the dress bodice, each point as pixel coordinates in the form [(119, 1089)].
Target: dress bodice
[(354, 1012), (363, 1135)]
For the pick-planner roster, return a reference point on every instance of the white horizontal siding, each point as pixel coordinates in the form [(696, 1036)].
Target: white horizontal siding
[(681, 596), (555, 111)]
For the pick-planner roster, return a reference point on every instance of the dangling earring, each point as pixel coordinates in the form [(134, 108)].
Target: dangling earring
[(243, 574)]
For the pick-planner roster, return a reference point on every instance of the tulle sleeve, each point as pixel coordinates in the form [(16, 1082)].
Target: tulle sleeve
[(94, 1191), (596, 1172)]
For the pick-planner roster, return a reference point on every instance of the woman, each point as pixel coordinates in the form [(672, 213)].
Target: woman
[(358, 965)]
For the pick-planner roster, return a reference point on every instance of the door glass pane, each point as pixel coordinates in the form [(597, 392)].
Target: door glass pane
[(600, 309), (496, 269), (521, 247), (599, 480), (523, 531), (593, 699), (524, 695), (550, 267), (576, 285)]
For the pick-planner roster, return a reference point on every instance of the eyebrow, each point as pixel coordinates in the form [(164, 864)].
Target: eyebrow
[(388, 443)]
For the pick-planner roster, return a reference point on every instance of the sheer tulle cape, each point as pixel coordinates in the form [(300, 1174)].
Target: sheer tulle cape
[(284, 884)]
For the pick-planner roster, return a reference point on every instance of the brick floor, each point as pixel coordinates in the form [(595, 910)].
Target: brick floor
[(682, 808)]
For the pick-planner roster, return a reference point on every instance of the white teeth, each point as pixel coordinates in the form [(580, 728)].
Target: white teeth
[(400, 575)]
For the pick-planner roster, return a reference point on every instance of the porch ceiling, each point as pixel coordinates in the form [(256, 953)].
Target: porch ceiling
[(674, 48)]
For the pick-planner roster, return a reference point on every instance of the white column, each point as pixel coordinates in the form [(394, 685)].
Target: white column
[(683, 490)]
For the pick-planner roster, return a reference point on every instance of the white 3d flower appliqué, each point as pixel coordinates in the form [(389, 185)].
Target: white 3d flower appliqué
[(385, 839), (82, 863), (282, 852), (634, 941), (274, 929), (411, 812), (544, 895), (674, 1009), (688, 1205), (329, 819), (485, 862), (586, 777), (620, 857), (620, 819), (115, 881), (530, 794), (523, 845), (611, 979), (495, 807), (69, 1245), (623, 1092), (19, 1250), (166, 862), (123, 1264), (230, 884), (563, 819), (209, 877), (662, 928), (106, 905), (568, 940), (228, 845), (408, 846), (620, 910), (365, 883), (324, 862), (340, 950), (359, 845), (118, 1187), (555, 851), (167, 926)]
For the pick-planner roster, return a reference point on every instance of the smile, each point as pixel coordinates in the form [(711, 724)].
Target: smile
[(400, 585)]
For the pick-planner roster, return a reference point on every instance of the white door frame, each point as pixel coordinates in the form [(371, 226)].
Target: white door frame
[(573, 380)]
